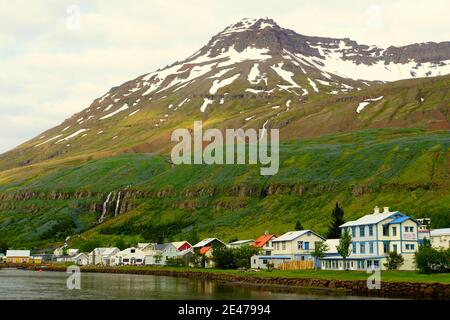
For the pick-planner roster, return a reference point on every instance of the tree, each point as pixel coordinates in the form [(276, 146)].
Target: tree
[(298, 226), (243, 255), (120, 243), (193, 236), (343, 248), (320, 249), (223, 258), (337, 219), (394, 261), (233, 258), (3, 246), (431, 260)]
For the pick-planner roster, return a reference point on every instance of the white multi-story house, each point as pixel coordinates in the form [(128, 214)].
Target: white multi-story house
[(291, 246), (440, 238), (102, 256), (130, 256), (373, 237)]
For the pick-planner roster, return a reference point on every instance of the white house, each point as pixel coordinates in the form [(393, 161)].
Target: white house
[(291, 246), (73, 252), (241, 243), (440, 238), (296, 244), (373, 237), (102, 256), (80, 259), (18, 256), (131, 256)]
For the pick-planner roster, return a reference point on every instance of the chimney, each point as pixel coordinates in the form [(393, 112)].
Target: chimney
[(386, 210), (376, 210)]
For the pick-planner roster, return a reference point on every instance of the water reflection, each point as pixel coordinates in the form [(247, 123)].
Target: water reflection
[(21, 284)]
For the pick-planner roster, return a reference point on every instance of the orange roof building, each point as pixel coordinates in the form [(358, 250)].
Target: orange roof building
[(263, 240)]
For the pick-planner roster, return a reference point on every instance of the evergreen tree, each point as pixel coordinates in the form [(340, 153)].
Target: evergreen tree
[(337, 219), (298, 226)]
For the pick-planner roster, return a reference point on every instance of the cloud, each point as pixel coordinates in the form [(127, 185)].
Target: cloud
[(50, 71)]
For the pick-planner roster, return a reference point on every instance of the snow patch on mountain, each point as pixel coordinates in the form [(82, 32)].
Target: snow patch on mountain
[(217, 84), (112, 114)]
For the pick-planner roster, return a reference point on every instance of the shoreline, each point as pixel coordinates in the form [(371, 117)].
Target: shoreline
[(402, 290)]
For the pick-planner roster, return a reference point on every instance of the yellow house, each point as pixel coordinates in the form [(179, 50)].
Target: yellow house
[(18, 256), (440, 238)]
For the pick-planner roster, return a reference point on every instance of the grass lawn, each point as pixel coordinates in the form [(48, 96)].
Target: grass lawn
[(392, 276)]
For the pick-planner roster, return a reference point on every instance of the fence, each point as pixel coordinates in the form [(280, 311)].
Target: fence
[(296, 265)]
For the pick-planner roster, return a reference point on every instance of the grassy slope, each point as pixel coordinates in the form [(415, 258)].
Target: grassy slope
[(406, 169)]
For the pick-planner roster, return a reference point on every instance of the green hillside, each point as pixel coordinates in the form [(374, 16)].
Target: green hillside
[(405, 169)]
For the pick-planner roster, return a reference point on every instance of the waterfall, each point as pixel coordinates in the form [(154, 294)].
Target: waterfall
[(105, 208), (264, 130), (116, 212)]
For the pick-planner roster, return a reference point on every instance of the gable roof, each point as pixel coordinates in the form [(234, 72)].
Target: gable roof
[(332, 245), (292, 235), (105, 251), (205, 242), (179, 244), (18, 253), (262, 240), (375, 218), (164, 246), (204, 250), (238, 242), (440, 232), (370, 219)]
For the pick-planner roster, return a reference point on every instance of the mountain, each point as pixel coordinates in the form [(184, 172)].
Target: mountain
[(369, 119), (252, 70)]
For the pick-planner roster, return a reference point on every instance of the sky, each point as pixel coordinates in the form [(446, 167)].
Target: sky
[(57, 56)]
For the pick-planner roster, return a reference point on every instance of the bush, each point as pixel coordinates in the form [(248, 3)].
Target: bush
[(394, 261), (430, 260), (233, 258)]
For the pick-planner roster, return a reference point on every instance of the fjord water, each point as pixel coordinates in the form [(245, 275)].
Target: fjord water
[(33, 285)]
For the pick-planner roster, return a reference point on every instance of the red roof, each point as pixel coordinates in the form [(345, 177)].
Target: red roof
[(261, 241), (204, 250)]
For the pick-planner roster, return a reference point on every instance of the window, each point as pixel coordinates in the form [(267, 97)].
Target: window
[(140, 260), (133, 250), (369, 264), (283, 245), (394, 231), (362, 231), (300, 245), (371, 247), (353, 232), (412, 247), (394, 248), (376, 263), (370, 231), (264, 261), (362, 248), (306, 245), (385, 230), (126, 260), (385, 247), (354, 248)]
